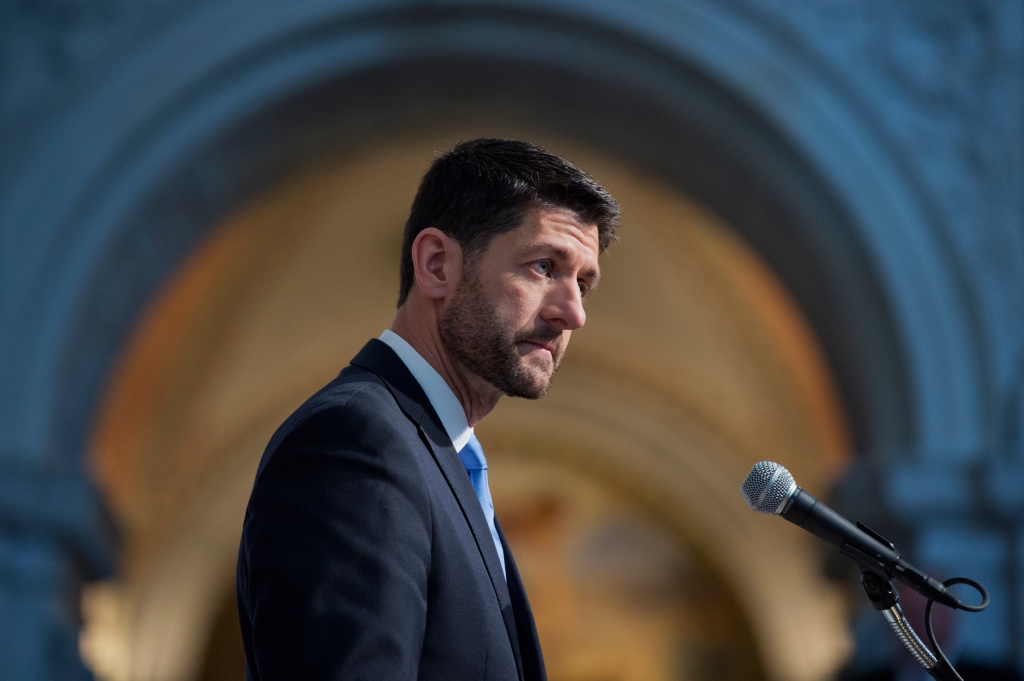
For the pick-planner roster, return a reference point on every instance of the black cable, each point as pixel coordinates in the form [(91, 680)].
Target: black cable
[(969, 608), (970, 582)]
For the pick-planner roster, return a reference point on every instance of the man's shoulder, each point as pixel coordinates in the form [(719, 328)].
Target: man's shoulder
[(357, 409), (354, 388), (355, 395)]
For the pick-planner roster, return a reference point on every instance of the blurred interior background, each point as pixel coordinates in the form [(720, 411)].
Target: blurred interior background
[(821, 263)]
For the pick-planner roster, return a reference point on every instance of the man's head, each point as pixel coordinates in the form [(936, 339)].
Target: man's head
[(528, 227)]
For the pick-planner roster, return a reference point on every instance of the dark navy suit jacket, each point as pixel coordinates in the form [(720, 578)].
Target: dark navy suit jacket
[(365, 553)]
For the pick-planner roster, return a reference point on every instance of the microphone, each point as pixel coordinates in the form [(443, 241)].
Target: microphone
[(769, 488)]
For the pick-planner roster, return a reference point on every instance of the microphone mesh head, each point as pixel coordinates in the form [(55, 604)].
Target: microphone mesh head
[(768, 487)]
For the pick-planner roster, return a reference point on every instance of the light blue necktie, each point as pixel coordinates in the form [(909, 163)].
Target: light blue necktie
[(475, 463)]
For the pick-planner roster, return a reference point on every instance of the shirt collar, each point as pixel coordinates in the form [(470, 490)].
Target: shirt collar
[(442, 399)]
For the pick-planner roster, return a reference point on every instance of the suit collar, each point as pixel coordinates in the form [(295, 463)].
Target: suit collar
[(381, 360), (440, 394), (378, 358)]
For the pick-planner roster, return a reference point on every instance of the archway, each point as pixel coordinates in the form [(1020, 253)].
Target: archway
[(702, 95)]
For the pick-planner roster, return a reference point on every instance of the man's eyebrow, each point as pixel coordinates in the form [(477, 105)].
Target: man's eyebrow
[(542, 247)]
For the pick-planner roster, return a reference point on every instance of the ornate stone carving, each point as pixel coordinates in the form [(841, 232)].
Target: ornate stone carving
[(53, 51), (944, 80)]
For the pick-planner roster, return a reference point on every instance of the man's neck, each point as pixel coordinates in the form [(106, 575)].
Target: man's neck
[(417, 325)]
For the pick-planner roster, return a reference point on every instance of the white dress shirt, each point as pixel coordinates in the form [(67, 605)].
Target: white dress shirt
[(442, 399)]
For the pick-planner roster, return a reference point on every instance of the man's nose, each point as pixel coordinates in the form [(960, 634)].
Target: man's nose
[(565, 308)]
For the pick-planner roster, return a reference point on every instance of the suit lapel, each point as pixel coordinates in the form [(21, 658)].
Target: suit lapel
[(528, 648), (380, 359)]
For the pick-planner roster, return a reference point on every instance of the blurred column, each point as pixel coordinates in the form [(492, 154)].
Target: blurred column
[(53, 536), (980, 552), (964, 515)]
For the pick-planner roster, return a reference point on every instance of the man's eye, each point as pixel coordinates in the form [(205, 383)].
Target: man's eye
[(541, 267), (583, 287)]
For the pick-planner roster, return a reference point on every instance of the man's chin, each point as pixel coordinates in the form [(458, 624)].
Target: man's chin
[(528, 392), (530, 385)]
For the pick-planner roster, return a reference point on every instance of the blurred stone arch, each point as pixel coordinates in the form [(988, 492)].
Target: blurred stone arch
[(164, 148)]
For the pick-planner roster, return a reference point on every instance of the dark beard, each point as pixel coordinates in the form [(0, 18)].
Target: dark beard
[(475, 335)]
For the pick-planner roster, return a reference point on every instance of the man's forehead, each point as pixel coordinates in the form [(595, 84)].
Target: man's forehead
[(560, 224)]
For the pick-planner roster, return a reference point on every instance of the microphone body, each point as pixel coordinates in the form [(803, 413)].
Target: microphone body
[(771, 489), (863, 545)]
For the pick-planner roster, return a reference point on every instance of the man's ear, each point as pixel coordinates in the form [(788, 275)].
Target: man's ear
[(436, 262)]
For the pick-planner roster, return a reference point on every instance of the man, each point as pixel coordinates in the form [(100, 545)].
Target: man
[(370, 549)]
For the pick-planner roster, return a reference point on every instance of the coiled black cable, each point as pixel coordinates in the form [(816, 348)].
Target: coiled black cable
[(943, 662)]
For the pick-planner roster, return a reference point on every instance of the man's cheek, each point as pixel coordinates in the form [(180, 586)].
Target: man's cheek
[(511, 316)]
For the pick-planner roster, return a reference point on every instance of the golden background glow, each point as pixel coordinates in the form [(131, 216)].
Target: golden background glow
[(619, 491)]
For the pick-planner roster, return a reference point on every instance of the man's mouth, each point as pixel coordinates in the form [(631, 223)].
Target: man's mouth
[(543, 345)]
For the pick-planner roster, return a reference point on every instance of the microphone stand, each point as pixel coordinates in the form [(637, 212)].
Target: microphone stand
[(769, 488), (885, 598)]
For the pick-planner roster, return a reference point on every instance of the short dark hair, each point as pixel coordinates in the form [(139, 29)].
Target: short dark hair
[(484, 187)]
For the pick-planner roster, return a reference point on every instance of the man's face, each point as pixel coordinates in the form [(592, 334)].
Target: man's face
[(516, 304)]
